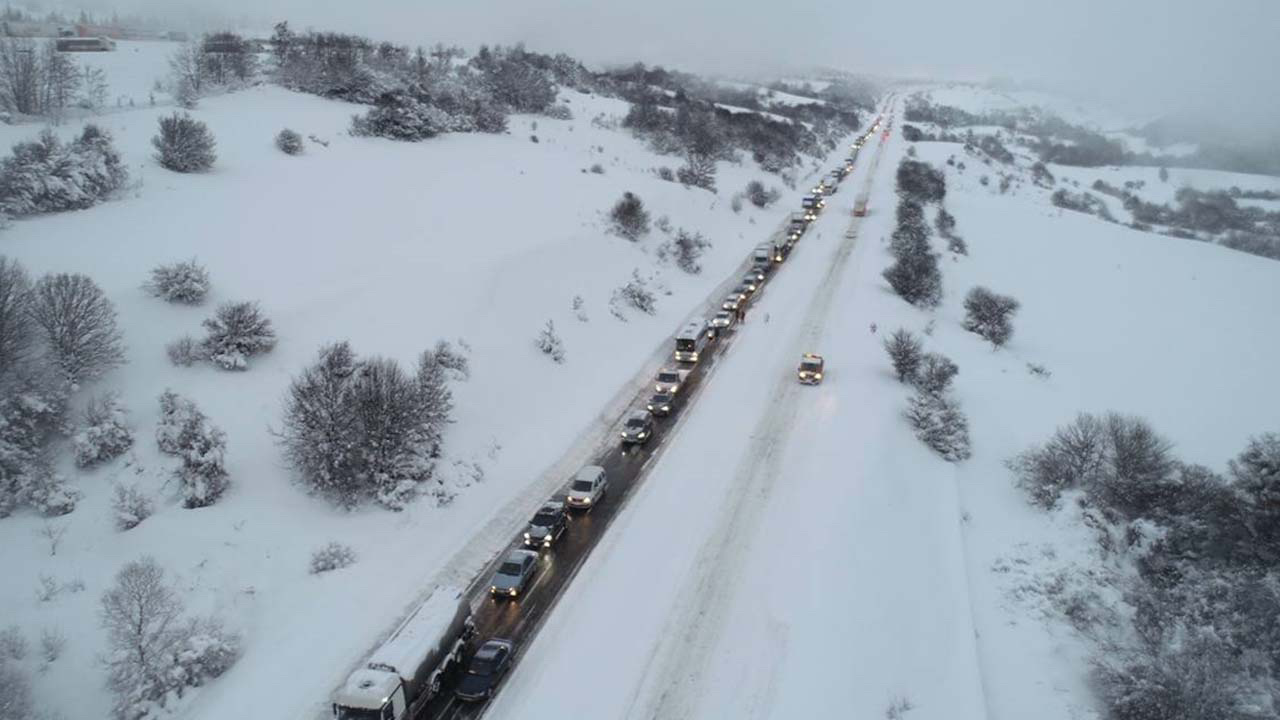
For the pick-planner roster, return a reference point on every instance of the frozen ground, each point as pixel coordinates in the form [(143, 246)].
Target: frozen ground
[(819, 561), (391, 246)]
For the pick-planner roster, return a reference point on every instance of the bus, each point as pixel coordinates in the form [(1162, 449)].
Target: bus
[(691, 341)]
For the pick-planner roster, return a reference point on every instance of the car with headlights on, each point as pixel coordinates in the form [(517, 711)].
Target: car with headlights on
[(587, 488), (661, 404), (514, 574), (810, 370), (637, 428), (548, 524)]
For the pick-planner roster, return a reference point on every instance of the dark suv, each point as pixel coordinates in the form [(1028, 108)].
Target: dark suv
[(547, 525)]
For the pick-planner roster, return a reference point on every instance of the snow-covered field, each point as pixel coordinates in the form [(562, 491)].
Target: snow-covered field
[(391, 246), (867, 571)]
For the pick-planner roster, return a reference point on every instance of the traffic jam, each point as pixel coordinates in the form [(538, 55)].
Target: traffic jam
[(438, 663)]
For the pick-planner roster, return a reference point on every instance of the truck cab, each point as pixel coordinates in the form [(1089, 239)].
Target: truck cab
[(810, 370), (762, 256)]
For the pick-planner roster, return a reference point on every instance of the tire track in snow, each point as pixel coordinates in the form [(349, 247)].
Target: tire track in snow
[(673, 675)]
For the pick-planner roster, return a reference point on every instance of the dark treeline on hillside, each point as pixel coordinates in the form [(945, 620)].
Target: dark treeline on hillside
[(1058, 141), (416, 94)]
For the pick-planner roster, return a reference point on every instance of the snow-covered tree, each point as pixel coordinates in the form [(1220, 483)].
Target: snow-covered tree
[(636, 293), (940, 424), (94, 84), (106, 433), (915, 276), (905, 352), (759, 196), (687, 247), (363, 429), (990, 315), (934, 374), (629, 217), (47, 175), (289, 142), (15, 693), (550, 343), (186, 78), (236, 332), (400, 115), (78, 324), (1256, 476), (185, 351), (184, 282), (202, 476), (141, 613), (921, 181), (699, 171), (184, 144), (17, 330)]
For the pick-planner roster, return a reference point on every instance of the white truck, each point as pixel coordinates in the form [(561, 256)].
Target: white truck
[(402, 675)]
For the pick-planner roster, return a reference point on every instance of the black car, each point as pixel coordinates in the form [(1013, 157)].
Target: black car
[(661, 404), (487, 667), (547, 526), (637, 429)]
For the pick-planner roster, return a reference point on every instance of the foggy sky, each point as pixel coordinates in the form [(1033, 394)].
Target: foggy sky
[(1140, 57)]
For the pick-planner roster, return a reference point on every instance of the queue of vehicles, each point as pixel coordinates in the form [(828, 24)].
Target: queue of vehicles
[(410, 668)]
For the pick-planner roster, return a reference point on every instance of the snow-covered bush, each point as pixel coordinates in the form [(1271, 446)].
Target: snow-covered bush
[(921, 181), (698, 171), (759, 196), (52, 644), (47, 491), (399, 115), (940, 424), (237, 331), (184, 144), (579, 308), (32, 414), (185, 431), (905, 351), (15, 693), (333, 556), (363, 429), (915, 276), (666, 173), (185, 351), (934, 374), (597, 168), (1256, 475), (106, 433), (184, 282), (636, 293), (46, 175), (17, 330), (78, 323), (990, 315), (289, 142), (13, 644), (1194, 679), (453, 360), (206, 651), (130, 506), (550, 344), (202, 475), (687, 247), (630, 219)]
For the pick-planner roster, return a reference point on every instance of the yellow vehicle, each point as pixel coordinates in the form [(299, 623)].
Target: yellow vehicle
[(810, 372)]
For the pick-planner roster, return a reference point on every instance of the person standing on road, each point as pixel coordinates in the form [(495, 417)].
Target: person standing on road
[(741, 312)]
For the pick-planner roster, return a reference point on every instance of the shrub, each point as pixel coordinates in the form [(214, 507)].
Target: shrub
[(699, 170), (333, 556), (636, 293), (237, 331), (79, 325), (289, 142), (184, 144), (363, 429), (46, 175), (457, 362), (185, 351), (666, 173), (1195, 679), (399, 115), (989, 315), (921, 181), (759, 196), (15, 693), (905, 352), (17, 330), (106, 433), (630, 219), (1256, 475), (52, 643), (175, 411), (597, 168), (688, 247), (185, 431), (550, 344), (939, 424), (915, 276), (182, 282), (934, 374), (130, 506)]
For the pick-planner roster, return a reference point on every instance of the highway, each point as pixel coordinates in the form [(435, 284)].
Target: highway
[(519, 619)]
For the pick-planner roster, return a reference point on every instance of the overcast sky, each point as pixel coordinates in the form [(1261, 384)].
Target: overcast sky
[(1141, 56)]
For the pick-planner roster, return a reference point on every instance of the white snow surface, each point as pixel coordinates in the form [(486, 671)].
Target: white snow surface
[(392, 246), (796, 552)]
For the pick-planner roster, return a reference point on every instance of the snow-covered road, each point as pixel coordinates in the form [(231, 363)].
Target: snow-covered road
[(777, 504)]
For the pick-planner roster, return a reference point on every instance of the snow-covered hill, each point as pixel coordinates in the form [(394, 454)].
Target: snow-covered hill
[(476, 239)]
